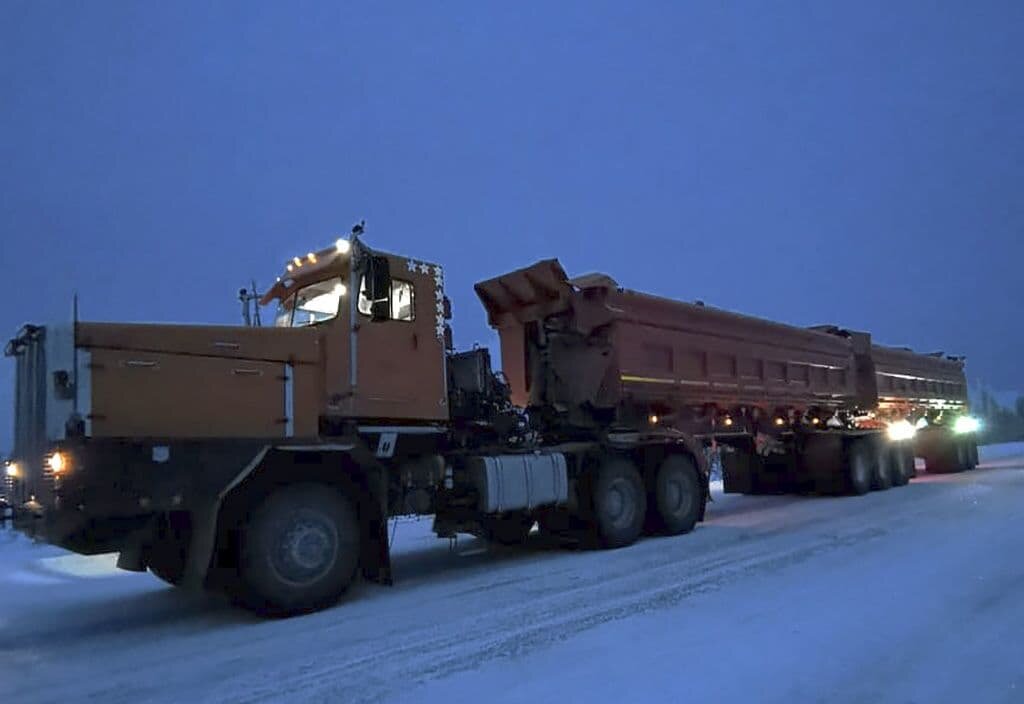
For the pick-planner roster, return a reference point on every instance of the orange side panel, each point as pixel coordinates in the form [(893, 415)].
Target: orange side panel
[(237, 342), (138, 394)]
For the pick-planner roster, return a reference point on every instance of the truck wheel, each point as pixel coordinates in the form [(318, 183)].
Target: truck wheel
[(299, 550), (620, 503), (512, 528), (677, 494), (168, 554), (858, 467), (882, 479), (974, 453), (898, 463)]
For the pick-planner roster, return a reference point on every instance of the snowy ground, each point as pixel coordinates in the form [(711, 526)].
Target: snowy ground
[(911, 595)]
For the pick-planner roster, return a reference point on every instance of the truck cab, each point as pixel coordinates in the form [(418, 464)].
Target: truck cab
[(135, 437)]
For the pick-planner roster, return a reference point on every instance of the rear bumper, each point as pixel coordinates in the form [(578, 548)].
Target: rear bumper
[(114, 490)]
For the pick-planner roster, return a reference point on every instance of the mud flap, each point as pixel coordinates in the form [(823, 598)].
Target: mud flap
[(376, 557), (376, 553), (132, 556), (739, 466), (200, 549)]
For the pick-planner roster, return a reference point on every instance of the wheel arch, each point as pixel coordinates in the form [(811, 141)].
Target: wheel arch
[(276, 467)]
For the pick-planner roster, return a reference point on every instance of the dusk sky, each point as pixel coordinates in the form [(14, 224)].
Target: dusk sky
[(858, 163)]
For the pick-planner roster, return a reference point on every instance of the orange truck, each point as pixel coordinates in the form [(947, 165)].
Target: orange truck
[(267, 461)]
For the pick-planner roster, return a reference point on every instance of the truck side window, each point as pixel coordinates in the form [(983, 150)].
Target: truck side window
[(403, 300)]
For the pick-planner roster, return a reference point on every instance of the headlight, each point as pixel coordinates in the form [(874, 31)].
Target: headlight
[(11, 470), (58, 462), (901, 430), (966, 424)]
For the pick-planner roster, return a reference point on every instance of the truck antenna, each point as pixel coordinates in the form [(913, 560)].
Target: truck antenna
[(250, 299), (256, 304), (74, 351)]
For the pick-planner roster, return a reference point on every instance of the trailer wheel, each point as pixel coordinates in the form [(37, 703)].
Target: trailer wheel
[(883, 469), (910, 458), (677, 494), (620, 503), (963, 453), (512, 528), (943, 458), (858, 467), (299, 550), (898, 463)]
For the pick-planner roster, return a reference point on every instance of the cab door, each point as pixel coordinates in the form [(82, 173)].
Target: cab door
[(400, 355)]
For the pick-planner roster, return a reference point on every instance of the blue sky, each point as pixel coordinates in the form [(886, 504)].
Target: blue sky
[(857, 163)]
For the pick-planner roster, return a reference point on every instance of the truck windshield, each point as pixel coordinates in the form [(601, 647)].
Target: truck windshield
[(311, 304)]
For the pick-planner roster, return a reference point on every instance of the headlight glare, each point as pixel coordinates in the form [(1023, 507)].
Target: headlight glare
[(966, 424), (901, 430)]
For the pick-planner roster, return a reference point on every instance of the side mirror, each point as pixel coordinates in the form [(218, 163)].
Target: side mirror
[(378, 289)]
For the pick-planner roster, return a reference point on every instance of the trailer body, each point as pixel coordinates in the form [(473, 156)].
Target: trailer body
[(613, 349)]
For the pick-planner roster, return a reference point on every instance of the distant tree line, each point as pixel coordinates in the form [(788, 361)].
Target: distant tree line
[(1001, 424)]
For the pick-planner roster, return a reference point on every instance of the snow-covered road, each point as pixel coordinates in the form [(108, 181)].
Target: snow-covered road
[(910, 595)]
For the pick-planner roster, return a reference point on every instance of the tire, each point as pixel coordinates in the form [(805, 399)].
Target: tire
[(910, 458), (511, 528), (943, 459), (620, 503), (858, 467), (677, 495), (299, 550), (898, 463), (964, 455), (974, 453), (882, 467), (168, 554)]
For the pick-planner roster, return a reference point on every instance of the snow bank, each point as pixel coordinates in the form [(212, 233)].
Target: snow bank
[(1002, 451)]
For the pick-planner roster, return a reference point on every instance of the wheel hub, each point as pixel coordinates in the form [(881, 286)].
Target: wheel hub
[(618, 503), (306, 549)]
